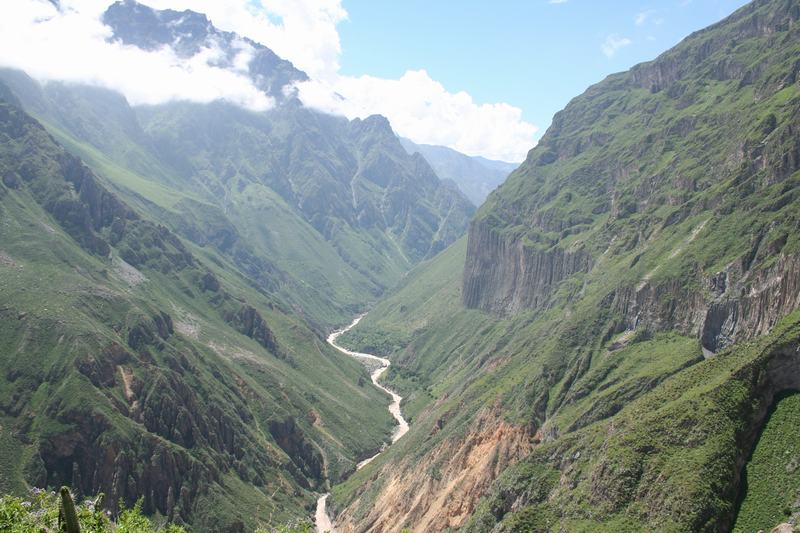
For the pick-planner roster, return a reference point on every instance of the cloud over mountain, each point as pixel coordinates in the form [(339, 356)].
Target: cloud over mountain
[(72, 44), (421, 109)]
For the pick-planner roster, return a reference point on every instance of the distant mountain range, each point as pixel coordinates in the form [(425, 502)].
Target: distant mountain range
[(475, 176)]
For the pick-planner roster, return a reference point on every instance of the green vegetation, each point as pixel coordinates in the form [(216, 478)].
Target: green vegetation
[(67, 516), (772, 481), (673, 447), (648, 224), (137, 365), (171, 303), (40, 511), (308, 207), (630, 294)]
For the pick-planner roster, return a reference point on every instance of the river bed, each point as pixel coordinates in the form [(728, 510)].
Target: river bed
[(322, 521)]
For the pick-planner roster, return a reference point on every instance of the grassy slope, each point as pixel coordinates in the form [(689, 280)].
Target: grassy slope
[(773, 484), (64, 306), (221, 145), (328, 280), (664, 462), (558, 368), (326, 288), (664, 153)]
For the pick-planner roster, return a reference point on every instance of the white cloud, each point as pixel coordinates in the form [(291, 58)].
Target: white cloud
[(613, 43), (557, 1), (645, 16), (72, 46), (306, 35), (421, 109), (302, 31)]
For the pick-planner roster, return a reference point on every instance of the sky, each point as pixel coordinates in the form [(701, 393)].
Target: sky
[(482, 77), (535, 55)]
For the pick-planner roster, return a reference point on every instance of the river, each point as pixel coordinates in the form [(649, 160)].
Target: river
[(321, 519)]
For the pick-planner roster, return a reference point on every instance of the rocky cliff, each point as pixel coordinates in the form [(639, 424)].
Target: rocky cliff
[(590, 191)]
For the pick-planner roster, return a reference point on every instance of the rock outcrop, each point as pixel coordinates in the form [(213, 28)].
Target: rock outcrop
[(592, 196), (503, 275), (736, 304), (440, 490)]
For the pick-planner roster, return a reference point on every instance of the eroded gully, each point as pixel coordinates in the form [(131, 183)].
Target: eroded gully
[(322, 520)]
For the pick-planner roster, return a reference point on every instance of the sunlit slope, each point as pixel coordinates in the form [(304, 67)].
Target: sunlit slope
[(655, 225), (138, 368)]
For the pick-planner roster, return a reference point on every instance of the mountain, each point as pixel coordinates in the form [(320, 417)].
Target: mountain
[(137, 366), (323, 211), (475, 176), (604, 350), (188, 33), (169, 274)]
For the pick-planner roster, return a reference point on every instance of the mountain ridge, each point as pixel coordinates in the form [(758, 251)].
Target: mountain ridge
[(188, 32), (626, 302), (476, 176)]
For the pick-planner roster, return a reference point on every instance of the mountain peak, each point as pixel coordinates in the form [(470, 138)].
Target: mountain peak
[(187, 33)]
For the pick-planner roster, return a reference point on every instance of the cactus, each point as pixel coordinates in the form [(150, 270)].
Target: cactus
[(67, 516)]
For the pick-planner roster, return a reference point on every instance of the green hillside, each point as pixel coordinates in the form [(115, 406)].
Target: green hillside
[(138, 368), (323, 212), (622, 318)]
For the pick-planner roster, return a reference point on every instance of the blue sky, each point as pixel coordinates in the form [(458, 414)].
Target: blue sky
[(532, 54)]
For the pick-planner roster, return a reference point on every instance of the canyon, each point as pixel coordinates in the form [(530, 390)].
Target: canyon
[(609, 342)]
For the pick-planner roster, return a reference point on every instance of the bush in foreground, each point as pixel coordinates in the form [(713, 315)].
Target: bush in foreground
[(49, 512)]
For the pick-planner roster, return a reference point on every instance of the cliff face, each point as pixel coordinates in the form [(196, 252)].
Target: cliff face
[(750, 304), (634, 157), (733, 305), (504, 276)]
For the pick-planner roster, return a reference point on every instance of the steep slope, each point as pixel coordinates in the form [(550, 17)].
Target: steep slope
[(351, 181), (189, 33), (771, 480), (136, 367), (625, 315), (322, 212), (475, 176)]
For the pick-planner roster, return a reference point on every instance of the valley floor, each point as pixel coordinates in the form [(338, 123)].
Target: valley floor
[(322, 520)]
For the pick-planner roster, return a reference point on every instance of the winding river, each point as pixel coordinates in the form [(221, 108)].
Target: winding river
[(322, 520)]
